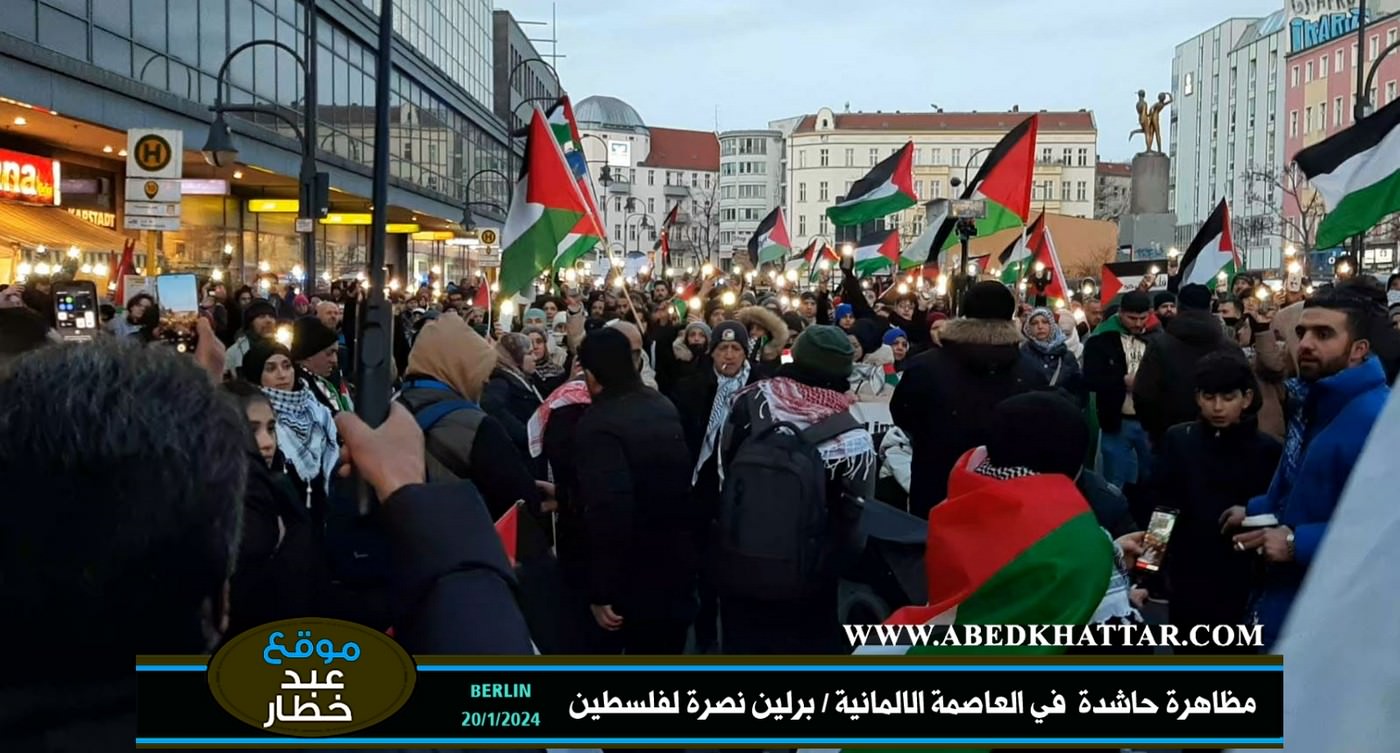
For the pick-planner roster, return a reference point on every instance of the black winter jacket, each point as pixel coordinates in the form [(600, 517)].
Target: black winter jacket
[(1202, 471), (1164, 392), (945, 398), (1105, 367), (510, 399), (633, 472)]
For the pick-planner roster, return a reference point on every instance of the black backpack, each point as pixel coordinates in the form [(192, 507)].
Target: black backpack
[(773, 519)]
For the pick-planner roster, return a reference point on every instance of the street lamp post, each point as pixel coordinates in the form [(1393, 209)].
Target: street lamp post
[(467, 205), (220, 150), (510, 88), (644, 223)]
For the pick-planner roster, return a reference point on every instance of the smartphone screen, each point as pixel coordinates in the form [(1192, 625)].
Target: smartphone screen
[(178, 296), (1154, 542), (75, 310)]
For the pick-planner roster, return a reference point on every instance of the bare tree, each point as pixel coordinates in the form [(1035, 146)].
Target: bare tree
[(703, 232), (1295, 217)]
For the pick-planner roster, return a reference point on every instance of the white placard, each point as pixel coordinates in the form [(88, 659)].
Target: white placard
[(151, 209), (137, 222), (619, 154), (151, 189), (155, 153)]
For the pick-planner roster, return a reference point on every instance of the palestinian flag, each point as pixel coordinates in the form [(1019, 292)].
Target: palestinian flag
[(886, 189), (1004, 182), (1043, 252), (508, 529), (1357, 171), (1109, 284), (769, 243), (588, 233), (877, 252), (1026, 551), (126, 266), (662, 248), (1016, 259), (545, 209), (814, 254), (1211, 252), (921, 250)]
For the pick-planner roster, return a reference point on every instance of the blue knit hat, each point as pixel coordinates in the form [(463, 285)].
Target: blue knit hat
[(844, 310), (894, 333)]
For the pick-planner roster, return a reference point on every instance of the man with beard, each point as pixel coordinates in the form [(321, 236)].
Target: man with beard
[(1164, 303), (1332, 406)]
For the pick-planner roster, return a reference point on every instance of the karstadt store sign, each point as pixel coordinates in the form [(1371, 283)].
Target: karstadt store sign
[(1312, 23)]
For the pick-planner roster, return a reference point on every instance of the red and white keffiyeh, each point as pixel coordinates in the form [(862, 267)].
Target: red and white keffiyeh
[(572, 392)]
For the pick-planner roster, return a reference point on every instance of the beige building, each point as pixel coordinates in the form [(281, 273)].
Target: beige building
[(828, 151)]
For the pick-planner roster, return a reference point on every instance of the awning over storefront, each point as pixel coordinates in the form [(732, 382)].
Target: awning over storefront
[(55, 228)]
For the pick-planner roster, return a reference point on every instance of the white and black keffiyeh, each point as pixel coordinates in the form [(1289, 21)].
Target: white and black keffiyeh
[(305, 433), (719, 415)]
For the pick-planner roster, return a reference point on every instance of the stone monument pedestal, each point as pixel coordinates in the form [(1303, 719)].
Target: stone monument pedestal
[(1149, 223)]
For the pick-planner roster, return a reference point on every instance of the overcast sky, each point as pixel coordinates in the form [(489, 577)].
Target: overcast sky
[(690, 63)]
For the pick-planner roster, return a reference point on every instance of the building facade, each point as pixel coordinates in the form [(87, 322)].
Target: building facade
[(79, 74), (1320, 101), (521, 78), (750, 172), (650, 170), (1227, 141), (828, 151)]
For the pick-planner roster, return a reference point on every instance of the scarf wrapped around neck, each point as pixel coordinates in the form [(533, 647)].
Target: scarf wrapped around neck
[(787, 400), (725, 393), (305, 433)]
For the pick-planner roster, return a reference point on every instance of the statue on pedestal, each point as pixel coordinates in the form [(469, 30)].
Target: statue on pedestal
[(1149, 119)]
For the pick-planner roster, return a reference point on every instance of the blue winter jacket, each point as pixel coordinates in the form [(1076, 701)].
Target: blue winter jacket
[(1339, 412)]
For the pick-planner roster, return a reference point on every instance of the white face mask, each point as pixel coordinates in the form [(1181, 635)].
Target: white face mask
[(555, 338)]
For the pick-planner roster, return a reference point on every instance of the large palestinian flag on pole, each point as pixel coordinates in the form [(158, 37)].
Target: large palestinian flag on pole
[(886, 189), (662, 248), (769, 242), (589, 231), (1211, 252), (1004, 182), (1357, 171), (877, 252), (545, 209), (816, 252)]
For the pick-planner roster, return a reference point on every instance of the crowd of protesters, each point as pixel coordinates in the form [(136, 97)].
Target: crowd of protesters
[(686, 456)]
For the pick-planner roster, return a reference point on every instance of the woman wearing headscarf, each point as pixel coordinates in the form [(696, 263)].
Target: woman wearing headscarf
[(550, 361), (306, 432), (1046, 349), (510, 397)]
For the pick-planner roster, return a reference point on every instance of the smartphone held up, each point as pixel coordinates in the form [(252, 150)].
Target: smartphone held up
[(75, 310), (1154, 542), (178, 297)]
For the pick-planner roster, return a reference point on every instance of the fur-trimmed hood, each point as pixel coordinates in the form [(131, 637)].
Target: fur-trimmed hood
[(982, 345), (776, 328)]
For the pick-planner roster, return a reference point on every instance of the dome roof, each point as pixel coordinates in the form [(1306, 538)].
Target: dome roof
[(608, 113)]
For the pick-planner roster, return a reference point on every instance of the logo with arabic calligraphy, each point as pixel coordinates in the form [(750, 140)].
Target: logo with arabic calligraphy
[(311, 677)]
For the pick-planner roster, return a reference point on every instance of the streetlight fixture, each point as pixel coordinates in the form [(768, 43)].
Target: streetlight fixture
[(219, 148)]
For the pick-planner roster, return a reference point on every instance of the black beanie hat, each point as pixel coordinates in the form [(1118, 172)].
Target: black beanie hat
[(257, 308), (869, 333), (607, 354), (1163, 298), (729, 331), (794, 322), (1049, 413), (1195, 297), (989, 300), (310, 336), (1136, 302), (256, 358)]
